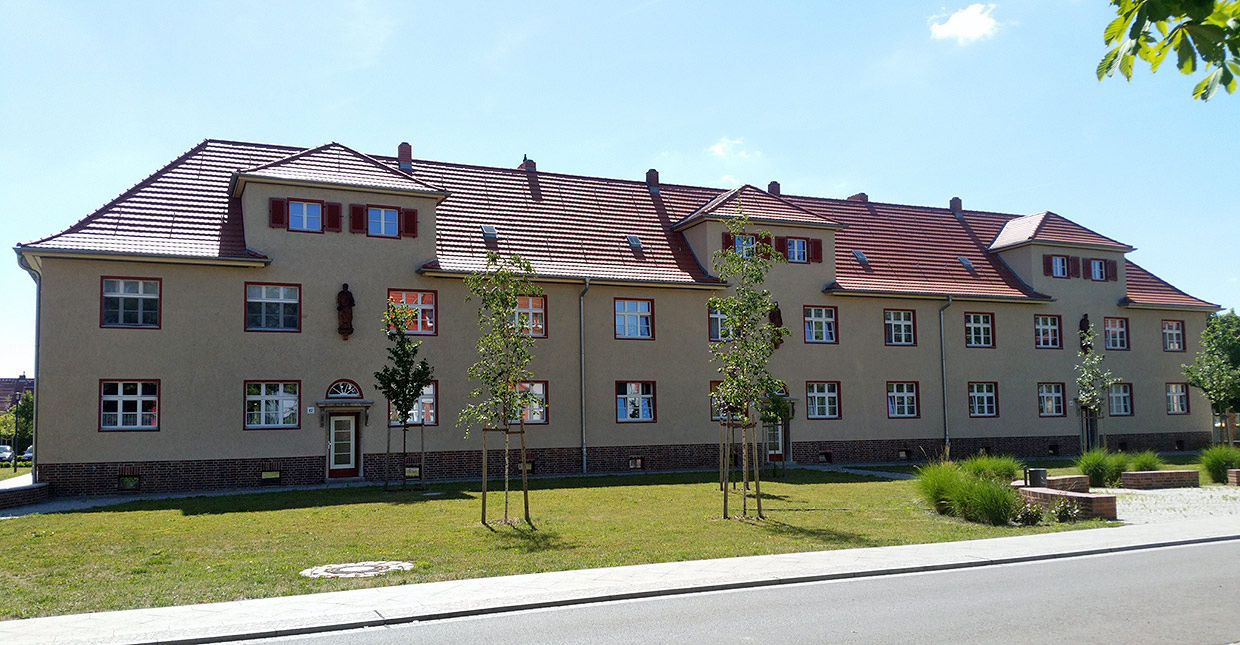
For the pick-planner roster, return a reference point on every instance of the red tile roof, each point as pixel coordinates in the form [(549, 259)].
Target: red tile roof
[(575, 226), (11, 390), (1145, 288)]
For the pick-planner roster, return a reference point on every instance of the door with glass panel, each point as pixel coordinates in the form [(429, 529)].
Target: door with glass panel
[(775, 441), (342, 450)]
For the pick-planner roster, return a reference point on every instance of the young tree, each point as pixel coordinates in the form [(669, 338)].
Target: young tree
[(23, 424), (1092, 386), (1208, 30), (502, 372), (403, 379), (748, 340), (1216, 368)]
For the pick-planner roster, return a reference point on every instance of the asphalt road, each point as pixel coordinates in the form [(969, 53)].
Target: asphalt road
[(1188, 594)]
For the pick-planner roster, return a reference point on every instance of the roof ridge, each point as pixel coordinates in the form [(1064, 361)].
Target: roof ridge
[(780, 199), (286, 159), (400, 173)]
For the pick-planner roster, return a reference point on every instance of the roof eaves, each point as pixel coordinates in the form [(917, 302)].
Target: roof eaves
[(1123, 248), (252, 257), (835, 288), (432, 269)]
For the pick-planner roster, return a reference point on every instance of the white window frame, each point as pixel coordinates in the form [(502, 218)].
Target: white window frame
[(820, 324), (284, 295), (629, 316), (798, 250), (534, 413), (423, 411), (717, 329), (898, 328), (531, 320), (822, 400), (1047, 327), (1177, 398), (300, 217), (983, 399), (378, 222), (1097, 270), (424, 318), (1059, 266), (1051, 394), (635, 398), (1119, 400), (979, 329), (1115, 333), (1173, 335), (142, 293), (142, 404), (902, 400), (746, 245), (275, 400)]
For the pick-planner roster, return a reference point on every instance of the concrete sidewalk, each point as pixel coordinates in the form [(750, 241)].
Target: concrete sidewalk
[(401, 604)]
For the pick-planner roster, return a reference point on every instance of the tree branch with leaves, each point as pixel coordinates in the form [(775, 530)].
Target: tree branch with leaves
[(404, 379), (1216, 368), (1093, 383)]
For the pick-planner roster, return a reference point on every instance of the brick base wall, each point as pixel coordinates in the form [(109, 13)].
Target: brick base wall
[(22, 495), (1233, 476), (1092, 505), (1159, 441), (1074, 483), (1148, 479), (166, 476)]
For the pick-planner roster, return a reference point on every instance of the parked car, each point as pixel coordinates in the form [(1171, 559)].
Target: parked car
[(29, 454), (6, 453)]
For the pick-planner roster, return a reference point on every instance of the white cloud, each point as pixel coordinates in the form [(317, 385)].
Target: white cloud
[(730, 180), (725, 146), (966, 25)]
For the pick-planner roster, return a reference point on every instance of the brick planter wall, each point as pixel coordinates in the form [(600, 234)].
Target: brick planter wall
[(1147, 479), (1100, 506), (1233, 476), (23, 495), (1074, 483)]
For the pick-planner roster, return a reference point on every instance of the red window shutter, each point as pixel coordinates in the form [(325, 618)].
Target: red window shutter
[(277, 213), (1112, 271), (815, 250), (781, 245), (357, 218), (409, 222), (1048, 263), (1074, 267), (728, 242), (766, 240), (333, 218)]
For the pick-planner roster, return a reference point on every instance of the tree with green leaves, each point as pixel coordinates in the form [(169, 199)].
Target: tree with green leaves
[(1216, 368), (403, 379), (1093, 384), (502, 372), (747, 340), (22, 414), (1205, 31)]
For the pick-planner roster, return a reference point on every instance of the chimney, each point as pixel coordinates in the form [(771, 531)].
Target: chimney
[(773, 188), (404, 156), (527, 164), (955, 205), (652, 180), (859, 197)]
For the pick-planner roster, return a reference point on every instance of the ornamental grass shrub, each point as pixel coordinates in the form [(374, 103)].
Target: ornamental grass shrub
[(985, 500), (998, 467), (938, 483), (1218, 459), (1147, 460), (1102, 466)]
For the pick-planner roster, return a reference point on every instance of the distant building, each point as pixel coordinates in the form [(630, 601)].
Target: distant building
[(11, 390)]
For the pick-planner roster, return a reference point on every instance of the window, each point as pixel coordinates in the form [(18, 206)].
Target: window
[(305, 216), (902, 400), (1098, 270), (271, 404), (979, 330), (1115, 333), (382, 222), (1173, 335), (535, 411), (272, 307), (716, 410), (421, 306), (635, 319), (1059, 266), (130, 302), (423, 411), (717, 325), (129, 405), (1177, 398), (798, 249), (898, 327), (745, 245), (820, 325), (531, 315), (983, 399), (344, 389), (1120, 398), (822, 400), (635, 401), (1050, 400), (1046, 332)]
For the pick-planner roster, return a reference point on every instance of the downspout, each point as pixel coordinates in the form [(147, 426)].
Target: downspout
[(38, 310), (581, 335), (947, 438)]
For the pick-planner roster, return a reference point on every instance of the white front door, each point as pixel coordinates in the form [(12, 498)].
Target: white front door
[(775, 441), (342, 447)]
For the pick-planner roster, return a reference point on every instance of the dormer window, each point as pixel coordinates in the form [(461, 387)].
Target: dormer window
[(745, 245), (305, 216), (1059, 266), (382, 222), (798, 249), (1098, 270)]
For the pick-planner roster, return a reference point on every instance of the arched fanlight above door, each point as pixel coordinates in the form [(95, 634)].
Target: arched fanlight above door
[(344, 389)]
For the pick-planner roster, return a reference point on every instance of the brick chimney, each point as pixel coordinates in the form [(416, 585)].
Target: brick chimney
[(956, 205), (773, 188), (859, 197), (404, 156), (652, 179), (527, 164)]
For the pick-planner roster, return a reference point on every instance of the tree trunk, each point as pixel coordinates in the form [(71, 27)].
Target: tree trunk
[(422, 456), (727, 470), (722, 430), (525, 483), (745, 432), (1230, 426), (387, 465), (484, 477), (757, 482), (507, 466)]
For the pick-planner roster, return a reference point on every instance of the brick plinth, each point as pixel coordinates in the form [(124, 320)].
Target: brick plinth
[(1101, 506), (22, 495), (1147, 479), (1233, 476), (1074, 483), (1158, 441), (166, 476)]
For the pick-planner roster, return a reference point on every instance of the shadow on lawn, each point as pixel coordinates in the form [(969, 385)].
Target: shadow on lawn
[(278, 500), (529, 540), (837, 539)]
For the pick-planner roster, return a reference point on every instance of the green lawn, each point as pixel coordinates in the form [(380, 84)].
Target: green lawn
[(1056, 466), (203, 549), (7, 471)]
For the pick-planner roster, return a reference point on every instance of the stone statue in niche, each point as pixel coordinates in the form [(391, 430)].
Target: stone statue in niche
[(777, 319), (1086, 346), (344, 311)]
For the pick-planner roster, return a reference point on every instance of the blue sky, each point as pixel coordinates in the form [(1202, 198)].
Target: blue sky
[(909, 102)]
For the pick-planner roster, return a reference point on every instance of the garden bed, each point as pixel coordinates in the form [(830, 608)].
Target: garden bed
[(1150, 479), (1092, 505)]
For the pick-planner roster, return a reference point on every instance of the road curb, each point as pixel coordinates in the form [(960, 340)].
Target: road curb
[(380, 620)]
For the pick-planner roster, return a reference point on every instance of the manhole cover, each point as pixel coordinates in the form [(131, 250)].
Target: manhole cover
[(356, 569)]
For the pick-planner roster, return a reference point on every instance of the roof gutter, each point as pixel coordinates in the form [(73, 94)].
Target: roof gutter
[(612, 282), (581, 383), (24, 263), (932, 295), (142, 257), (947, 438)]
